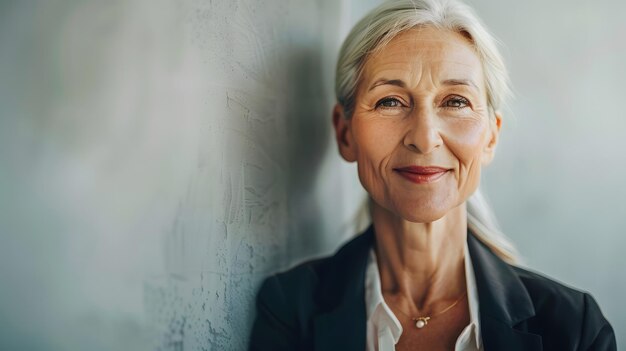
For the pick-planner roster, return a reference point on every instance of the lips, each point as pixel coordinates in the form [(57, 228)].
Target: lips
[(422, 170), (420, 175)]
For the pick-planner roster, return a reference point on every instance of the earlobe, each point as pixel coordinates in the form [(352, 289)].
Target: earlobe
[(343, 134), (494, 133)]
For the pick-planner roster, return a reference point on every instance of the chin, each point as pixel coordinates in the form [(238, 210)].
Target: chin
[(422, 214), (423, 217), (424, 209)]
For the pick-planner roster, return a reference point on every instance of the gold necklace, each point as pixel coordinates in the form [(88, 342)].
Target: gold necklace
[(421, 322)]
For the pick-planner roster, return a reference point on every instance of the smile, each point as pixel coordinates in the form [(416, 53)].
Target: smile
[(421, 178)]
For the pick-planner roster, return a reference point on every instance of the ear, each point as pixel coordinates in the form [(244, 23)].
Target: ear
[(343, 134), (494, 132)]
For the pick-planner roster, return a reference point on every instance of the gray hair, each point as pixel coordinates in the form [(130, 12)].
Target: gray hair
[(391, 18)]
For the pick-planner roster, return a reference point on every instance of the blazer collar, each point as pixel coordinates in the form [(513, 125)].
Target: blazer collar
[(503, 299), (342, 324)]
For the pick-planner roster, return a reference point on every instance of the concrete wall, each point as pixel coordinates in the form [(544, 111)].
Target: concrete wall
[(159, 158)]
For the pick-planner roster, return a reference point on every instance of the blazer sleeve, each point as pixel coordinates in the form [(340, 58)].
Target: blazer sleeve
[(274, 326), (597, 334)]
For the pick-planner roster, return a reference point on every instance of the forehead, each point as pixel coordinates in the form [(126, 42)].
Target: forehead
[(441, 53)]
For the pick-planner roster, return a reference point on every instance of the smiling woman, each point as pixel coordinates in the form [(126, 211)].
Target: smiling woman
[(419, 87), (420, 103)]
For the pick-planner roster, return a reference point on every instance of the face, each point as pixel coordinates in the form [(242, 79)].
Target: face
[(421, 102)]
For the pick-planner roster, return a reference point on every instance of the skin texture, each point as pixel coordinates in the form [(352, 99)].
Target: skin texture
[(421, 101)]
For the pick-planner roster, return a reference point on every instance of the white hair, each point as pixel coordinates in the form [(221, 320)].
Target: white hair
[(388, 20)]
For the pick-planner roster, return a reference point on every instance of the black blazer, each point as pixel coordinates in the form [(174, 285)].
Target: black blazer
[(320, 305)]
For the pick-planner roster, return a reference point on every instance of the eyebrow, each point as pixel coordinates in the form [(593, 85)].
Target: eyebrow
[(396, 82), (467, 82), (401, 84)]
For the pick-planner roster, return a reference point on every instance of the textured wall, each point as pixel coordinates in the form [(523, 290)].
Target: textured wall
[(158, 158)]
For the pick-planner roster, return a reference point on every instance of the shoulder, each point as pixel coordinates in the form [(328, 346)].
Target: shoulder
[(301, 281), (563, 311), (548, 292), (288, 301), (329, 270), (284, 305), (295, 285)]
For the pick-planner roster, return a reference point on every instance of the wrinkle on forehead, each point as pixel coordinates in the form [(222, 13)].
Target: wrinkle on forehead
[(440, 53)]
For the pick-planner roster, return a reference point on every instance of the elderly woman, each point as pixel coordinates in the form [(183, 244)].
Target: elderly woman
[(419, 85)]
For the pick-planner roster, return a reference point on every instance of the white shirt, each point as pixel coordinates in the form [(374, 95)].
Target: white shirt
[(384, 329)]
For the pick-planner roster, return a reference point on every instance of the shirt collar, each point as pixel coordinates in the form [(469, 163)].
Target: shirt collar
[(376, 308), (472, 296), (375, 304)]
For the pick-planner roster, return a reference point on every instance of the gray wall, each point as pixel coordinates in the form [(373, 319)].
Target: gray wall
[(557, 183), (158, 158)]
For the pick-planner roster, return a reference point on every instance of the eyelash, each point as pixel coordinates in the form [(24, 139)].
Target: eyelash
[(380, 103), (455, 98), (459, 99)]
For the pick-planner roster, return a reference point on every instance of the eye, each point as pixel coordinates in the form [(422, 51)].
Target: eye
[(456, 102), (388, 102)]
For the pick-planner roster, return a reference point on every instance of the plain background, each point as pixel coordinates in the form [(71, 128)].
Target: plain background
[(159, 158)]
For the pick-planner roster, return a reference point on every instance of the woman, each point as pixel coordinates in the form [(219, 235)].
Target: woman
[(419, 86)]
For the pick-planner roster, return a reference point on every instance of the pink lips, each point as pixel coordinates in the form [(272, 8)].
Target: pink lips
[(420, 175)]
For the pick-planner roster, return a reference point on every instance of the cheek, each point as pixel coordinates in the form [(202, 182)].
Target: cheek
[(375, 139), (466, 140)]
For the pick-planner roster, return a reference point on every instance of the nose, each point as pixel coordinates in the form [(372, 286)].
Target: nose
[(423, 134)]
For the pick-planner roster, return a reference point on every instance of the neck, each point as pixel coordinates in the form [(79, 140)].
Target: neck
[(421, 264)]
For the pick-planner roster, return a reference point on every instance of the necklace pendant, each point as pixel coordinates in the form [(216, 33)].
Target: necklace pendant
[(421, 322)]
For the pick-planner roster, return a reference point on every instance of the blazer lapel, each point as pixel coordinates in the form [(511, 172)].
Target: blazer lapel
[(503, 301), (341, 329), (342, 323)]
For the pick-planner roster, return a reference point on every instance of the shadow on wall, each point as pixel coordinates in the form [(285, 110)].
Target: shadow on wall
[(308, 138), (187, 132), (252, 206)]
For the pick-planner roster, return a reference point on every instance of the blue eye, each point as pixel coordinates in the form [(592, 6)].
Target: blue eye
[(456, 102), (388, 102)]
